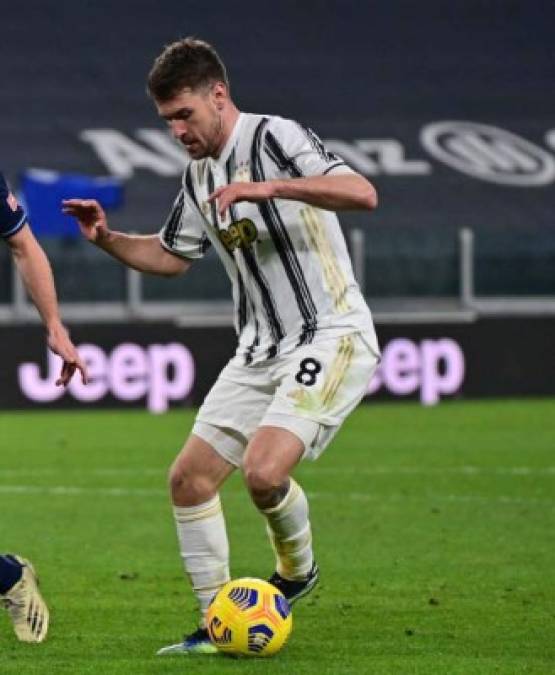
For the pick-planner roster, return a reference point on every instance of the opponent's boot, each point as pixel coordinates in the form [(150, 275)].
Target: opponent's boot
[(25, 605)]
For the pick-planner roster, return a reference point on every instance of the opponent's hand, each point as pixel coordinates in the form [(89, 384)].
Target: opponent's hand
[(240, 192), (59, 342), (90, 216)]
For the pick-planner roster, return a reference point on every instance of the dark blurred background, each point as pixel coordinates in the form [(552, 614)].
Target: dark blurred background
[(374, 79)]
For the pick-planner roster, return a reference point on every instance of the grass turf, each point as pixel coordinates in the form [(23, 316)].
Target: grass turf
[(433, 530)]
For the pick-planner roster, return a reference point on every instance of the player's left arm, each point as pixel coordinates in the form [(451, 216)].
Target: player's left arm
[(335, 192), (299, 167)]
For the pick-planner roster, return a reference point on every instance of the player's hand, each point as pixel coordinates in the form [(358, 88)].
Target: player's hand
[(240, 192), (90, 216), (59, 342)]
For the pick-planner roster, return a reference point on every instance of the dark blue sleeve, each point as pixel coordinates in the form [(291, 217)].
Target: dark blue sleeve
[(12, 216)]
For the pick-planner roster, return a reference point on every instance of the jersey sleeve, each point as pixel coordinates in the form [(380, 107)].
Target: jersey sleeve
[(183, 232), (12, 216), (298, 151)]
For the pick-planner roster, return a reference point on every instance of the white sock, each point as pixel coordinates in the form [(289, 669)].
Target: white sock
[(204, 548), (288, 527)]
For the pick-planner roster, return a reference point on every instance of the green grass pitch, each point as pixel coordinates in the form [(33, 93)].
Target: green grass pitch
[(434, 530)]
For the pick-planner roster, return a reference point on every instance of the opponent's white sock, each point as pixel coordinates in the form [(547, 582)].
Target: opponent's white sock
[(288, 527), (204, 548)]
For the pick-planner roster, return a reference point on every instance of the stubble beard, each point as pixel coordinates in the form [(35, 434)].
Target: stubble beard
[(216, 136), (214, 139)]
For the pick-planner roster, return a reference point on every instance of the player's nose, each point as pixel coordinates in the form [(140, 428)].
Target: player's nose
[(178, 128)]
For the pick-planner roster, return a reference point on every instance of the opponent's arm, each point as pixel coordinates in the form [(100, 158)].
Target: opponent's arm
[(35, 270), (336, 192), (141, 252)]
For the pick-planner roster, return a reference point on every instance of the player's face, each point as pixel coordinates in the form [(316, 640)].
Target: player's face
[(195, 119)]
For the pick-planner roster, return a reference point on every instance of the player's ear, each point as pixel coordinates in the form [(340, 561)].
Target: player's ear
[(219, 94)]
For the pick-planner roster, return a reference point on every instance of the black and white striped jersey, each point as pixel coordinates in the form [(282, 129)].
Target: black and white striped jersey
[(288, 262)]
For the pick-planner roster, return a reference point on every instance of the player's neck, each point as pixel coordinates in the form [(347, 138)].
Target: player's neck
[(229, 120)]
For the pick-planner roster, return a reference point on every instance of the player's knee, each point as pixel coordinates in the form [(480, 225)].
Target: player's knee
[(262, 479), (187, 486)]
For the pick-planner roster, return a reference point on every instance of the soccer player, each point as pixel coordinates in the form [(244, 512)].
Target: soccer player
[(262, 190), (19, 591)]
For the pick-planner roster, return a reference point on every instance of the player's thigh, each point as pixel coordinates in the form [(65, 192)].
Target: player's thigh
[(197, 472), (271, 455), (232, 411), (320, 384)]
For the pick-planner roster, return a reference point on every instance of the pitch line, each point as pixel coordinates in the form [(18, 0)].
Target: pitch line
[(65, 471), (306, 468), (76, 491), (437, 470)]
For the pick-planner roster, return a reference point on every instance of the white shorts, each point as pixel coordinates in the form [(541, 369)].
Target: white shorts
[(309, 391)]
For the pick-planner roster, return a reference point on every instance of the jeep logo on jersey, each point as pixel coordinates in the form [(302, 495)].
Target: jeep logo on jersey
[(240, 234), (488, 153)]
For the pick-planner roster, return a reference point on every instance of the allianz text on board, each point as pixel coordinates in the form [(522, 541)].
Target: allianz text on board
[(484, 152)]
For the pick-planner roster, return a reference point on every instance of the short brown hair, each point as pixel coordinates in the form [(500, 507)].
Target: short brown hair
[(185, 63)]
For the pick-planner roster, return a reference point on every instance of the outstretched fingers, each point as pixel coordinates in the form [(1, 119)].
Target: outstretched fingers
[(68, 370)]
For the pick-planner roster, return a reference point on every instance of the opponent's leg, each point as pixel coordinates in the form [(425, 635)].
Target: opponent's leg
[(20, 595), (271, 455), (195, 477), (10, 573)]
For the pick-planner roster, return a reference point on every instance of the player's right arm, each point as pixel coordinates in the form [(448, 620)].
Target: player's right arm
[(141, 252), (36, 273)]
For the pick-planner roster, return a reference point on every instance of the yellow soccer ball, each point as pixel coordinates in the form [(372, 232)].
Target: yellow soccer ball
[(249, 617)]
